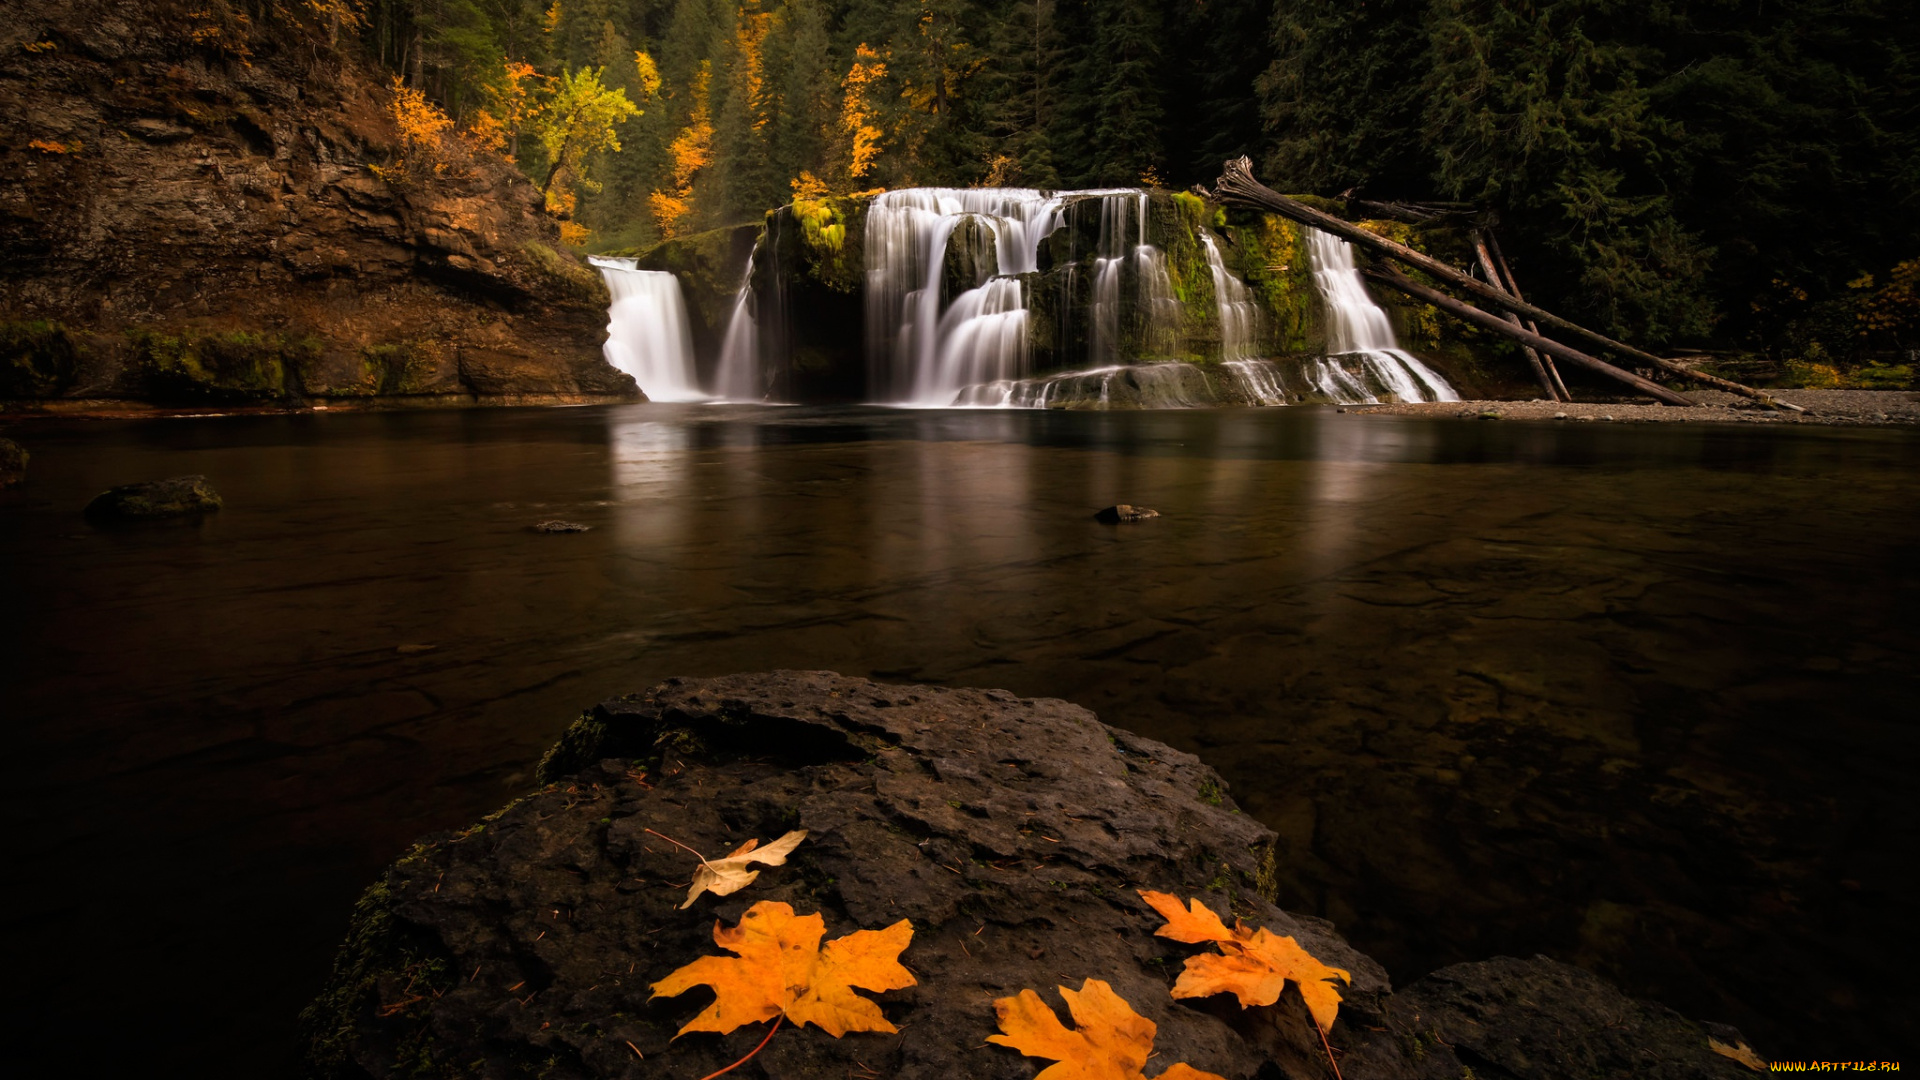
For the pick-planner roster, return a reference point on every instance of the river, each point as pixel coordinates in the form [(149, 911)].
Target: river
[(1633, 696)]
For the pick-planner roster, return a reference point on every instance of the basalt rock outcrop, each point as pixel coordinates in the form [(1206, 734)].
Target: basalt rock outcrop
[(1014, 834), (192, 210)]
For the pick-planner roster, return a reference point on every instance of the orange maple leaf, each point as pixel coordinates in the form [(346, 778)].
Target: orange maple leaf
[(1252, 965), (1109, 1040), (781, 969)]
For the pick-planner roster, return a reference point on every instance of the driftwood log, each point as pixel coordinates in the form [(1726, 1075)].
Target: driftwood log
[(1393, 279), (1512, 287), (1534, 359), (1237, 185)]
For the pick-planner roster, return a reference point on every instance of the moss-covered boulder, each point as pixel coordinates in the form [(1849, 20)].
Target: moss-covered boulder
[(13, 463), (221, 367), (38, 359), (179, 496)]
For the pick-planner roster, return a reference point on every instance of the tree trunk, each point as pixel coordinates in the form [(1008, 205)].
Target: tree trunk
[(1393, 279), (1512, 285), (1236, 184)]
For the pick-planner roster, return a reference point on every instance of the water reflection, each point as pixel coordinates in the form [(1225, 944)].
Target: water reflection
[(1635, 697)]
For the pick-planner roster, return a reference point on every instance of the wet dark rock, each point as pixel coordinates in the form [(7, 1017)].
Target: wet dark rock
[(558, 526), (13, 463), (1113, 515), (1013, 832), (1535, 1020), (174, 497)]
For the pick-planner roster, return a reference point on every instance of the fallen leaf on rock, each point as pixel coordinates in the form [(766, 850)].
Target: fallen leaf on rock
[(1739, 1052), (1109, 1041), (781, 969), (1253, 964), (722, 877)]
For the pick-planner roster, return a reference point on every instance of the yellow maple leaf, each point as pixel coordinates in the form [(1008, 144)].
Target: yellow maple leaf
[(1253, 964), (781, 969), (1109, 1041)]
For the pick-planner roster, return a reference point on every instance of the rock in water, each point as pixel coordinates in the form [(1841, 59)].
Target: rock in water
[(1013, 832), (173, 497), (558, 526), (1113, 515), (13, 463)]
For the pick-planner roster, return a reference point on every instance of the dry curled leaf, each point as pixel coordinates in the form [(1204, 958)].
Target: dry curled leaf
[(780, 968), (1252, 964), (1739, 1052), (728, 875), (1109, 1041)]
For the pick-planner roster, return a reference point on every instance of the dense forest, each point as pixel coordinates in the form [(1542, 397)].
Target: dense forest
[(1734, 172)]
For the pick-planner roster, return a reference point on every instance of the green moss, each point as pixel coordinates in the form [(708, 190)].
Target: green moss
[(828, 238), (1270, 255), (580, 745), (567, 275), (225, 367), (1211, 793), (38, 359), (404, 368)]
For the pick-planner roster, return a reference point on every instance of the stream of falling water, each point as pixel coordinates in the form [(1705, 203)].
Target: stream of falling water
[(739, 377), (647, 331), (1358, 328)]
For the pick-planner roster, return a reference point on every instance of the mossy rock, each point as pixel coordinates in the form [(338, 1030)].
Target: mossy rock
[(567, 276), (224, 368), (13, 463), (38, 359), (179, 496)]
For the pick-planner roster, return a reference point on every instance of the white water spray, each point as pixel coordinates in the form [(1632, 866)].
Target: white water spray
[(1357, 327), (920, 353), (647, 334), (738, 377), (1239, 316)]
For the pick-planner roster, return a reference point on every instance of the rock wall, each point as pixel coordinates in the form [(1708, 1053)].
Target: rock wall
[(191, 212)]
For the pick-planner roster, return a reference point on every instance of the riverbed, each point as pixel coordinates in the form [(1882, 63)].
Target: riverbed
[(1639, 697)]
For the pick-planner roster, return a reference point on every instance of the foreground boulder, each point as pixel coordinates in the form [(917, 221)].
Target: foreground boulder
[(13, 463), (1012, 832), (178, 496)]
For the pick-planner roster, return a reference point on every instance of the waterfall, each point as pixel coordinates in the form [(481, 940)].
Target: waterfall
[(1103, 316), (739, 377), (1159, 308), (647, 335), (918, 353), (1239, 317), (1357, 327)]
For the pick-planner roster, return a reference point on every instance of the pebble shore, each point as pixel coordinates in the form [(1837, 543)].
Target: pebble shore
[(1851, 408)]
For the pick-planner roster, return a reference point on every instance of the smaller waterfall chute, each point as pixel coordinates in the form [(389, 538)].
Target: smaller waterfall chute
[(739, 376), (647, 331), (1239, 315), (1357, 327)]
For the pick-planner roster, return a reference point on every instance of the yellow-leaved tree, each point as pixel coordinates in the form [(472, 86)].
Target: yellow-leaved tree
[(576, 120)]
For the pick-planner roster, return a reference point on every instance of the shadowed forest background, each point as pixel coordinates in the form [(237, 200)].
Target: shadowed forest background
[(1727, 172)]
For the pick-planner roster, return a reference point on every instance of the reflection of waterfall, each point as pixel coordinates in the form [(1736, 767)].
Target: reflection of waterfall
[(647, 335), (1357, 327), (918, 355), (739, 377), (1238, 315)]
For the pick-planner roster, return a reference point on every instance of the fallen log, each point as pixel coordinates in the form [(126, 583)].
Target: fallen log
[(1394, 279), (1512, 286), (1533, 354), (1237, 185)]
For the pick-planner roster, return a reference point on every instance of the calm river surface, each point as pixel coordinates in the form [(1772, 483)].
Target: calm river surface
[(1642, 698)]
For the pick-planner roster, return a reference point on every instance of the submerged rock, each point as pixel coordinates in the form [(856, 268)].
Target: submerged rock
[(1012, 832), (558, 526), (1113, 515), (13, 463), (173, 497)]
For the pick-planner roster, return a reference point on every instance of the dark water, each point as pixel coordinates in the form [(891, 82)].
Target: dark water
[(1642, 698)]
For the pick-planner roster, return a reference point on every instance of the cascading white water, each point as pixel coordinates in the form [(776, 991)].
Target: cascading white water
[(738, 377), (1259, 380), (647, 334), (1159, 308), (1239, 316), (1357, 327), (919, 355)]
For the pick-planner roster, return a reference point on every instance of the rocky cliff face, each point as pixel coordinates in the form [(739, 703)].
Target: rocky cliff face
[(189, 213)]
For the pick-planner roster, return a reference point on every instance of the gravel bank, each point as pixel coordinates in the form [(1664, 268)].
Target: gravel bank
[(1858, 408)]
